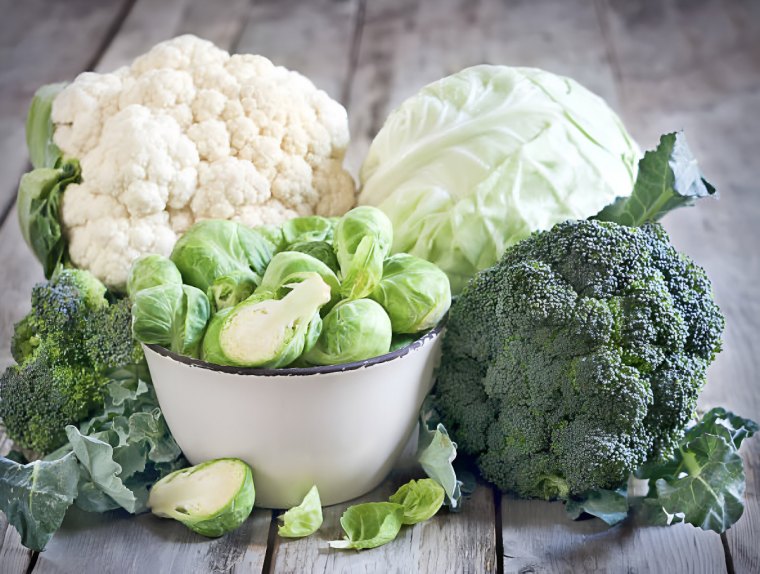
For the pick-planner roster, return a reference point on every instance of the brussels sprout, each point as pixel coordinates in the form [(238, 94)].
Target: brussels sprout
[(151, 270), (263, 331), (171, 315), (415, 293), (311, 228), (321, 250), (212, 248), (353, 330), (401, 340), (421, 499), (211, 498), (362, 240), (273, 235), (229, 290), (290, 267)]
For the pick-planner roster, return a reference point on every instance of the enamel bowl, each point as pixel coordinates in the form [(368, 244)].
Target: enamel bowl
[(340, 427)]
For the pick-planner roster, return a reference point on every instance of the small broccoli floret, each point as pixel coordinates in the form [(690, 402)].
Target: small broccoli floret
[(577, 357), (65, 347)]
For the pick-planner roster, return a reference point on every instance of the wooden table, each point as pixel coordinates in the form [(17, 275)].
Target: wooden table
[(663, 65)]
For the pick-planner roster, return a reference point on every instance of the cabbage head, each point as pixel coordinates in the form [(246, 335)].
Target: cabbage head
[(477, 161)]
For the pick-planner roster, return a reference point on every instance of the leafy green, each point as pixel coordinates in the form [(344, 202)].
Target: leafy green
[(421, 499), (436, 452), (668, 178), (609, 505), (39, 127), (304, 519), (370, 525), (35, 496), (38, 204)]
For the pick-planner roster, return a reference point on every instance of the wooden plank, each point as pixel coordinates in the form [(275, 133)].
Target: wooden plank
[(313, 38), (538, 537), (14, 558), (462, 542), (43, 42), (117, 542)]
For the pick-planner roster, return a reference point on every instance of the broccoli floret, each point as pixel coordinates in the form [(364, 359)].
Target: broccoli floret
[(64, 348), (577, 357)]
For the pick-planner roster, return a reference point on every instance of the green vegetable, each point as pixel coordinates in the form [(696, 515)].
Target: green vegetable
[(414, 292), (304, 519), (421, 499), (370, 525), (353, 330), (150, 271), (35, 496), (171, 315), (668, 178), (212, 248), (321, 250), (478, 160), (362, 240), (64, 348), (436, 453), (212, 498), (577, 357), (310, 228), (263, 331), (402, 340), (229, 290), (38, 204), (39, 127), (611, 506), (290, 267)]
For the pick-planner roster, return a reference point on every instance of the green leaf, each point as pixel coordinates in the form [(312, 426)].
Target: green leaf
[(668, 178), (39, 206), (39, 127), (611, 506), (151, 428), (304, 519), (724, 423), (35, 496), (435, 453), (421, 499), (370, 525), (711, 494)]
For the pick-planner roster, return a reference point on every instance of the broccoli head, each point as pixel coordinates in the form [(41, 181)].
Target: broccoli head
[(577, 357), (65, 348)]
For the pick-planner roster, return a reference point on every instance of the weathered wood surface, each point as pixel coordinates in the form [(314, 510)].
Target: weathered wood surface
[(663, 64)]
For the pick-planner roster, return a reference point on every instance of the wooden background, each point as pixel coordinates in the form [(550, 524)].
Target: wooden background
[(663, 65)]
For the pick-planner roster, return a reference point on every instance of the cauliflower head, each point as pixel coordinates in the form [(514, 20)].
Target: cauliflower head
[(189, 132)]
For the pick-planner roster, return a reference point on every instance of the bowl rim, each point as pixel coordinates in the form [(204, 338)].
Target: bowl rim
[(302, 371)]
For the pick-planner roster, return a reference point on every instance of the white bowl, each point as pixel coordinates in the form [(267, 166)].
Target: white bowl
[(340, 427)]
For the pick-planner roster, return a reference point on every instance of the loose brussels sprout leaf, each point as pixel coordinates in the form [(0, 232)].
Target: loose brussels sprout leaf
[(352, 331), (212, 248), (321, 250), (266, 332), (170, 315), (421, 499), (229, 290), (310, 228), (211, 498), (151, 270), (289, 267), (304, 519), (436, 453), (415, 293), (370, 525), (39, 127), (366, 234), (611, 506)]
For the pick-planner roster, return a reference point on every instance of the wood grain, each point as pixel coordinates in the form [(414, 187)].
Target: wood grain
[(117, 542), (463, 542), (42, 41)]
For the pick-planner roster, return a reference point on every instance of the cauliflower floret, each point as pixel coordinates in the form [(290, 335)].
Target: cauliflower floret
[(188, 132)]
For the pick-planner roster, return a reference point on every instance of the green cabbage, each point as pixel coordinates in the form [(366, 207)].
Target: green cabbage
[(477, 161)]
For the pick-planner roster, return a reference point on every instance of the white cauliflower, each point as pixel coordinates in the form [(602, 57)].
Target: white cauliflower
[(188, 132)]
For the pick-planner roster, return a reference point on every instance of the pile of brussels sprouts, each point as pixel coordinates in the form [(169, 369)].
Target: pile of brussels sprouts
[(316, 291)]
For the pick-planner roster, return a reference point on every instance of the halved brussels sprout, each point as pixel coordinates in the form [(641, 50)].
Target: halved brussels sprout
[(151, 270), (211, 498), (290, 267), (212, 248), (171, 315), (353, 330), (362, 240), (263, 331), (229, 290), (415, 293), (309, 228), (321, 250)]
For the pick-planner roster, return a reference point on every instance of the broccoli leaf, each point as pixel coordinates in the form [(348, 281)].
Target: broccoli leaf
[(608, 505), (35, 496), (668, 178), (435, 453)]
